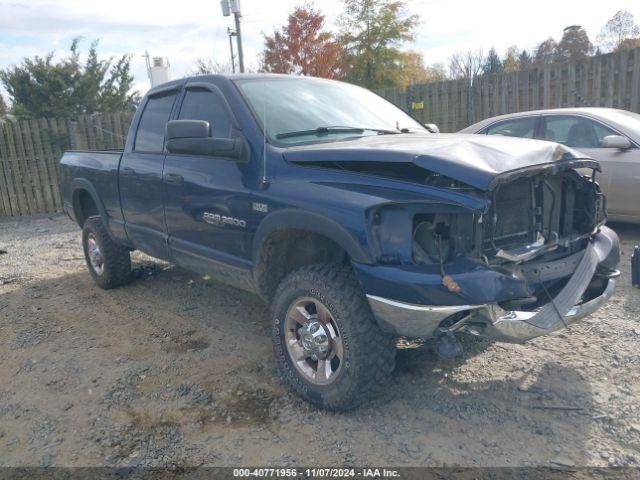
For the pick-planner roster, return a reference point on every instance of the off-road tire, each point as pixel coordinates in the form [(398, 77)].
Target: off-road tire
[(369, 354), (116, 259)]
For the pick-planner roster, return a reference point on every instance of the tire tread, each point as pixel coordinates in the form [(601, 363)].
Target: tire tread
[(374, 353), (117, 259)]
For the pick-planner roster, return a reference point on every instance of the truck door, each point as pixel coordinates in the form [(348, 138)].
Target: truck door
[(140, 178), (208, 202)]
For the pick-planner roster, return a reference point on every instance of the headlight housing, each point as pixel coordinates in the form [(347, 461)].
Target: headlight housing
[(408, 233), (439, 238)]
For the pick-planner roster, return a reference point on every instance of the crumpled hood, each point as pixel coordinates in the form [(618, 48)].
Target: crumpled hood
[(477, 160)]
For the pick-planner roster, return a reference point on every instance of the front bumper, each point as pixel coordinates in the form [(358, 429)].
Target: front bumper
[(591, 284)]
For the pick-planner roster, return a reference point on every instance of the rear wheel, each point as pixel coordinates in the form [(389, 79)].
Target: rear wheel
[(328, 346), (109, 263)]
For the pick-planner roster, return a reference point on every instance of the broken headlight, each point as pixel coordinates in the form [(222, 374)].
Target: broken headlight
[(407, 234), (439, 238)]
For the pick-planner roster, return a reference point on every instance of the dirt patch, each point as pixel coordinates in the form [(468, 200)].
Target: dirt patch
[(249, 408)]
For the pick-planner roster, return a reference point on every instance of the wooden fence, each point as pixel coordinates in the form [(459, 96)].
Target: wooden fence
[(30, 151), (611, 80)]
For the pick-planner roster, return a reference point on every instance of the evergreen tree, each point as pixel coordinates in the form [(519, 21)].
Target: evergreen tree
[(493, 64), (45, 87), (3, 106), (524, 59)]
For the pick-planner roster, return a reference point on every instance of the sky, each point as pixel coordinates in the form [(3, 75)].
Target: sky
[(190, 29)]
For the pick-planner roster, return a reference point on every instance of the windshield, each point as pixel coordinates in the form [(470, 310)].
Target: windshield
[(294, 110)]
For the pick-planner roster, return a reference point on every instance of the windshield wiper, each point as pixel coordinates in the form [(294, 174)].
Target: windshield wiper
[(336, 129)]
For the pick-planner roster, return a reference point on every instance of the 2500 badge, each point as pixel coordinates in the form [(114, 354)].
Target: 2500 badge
[(222, 220)]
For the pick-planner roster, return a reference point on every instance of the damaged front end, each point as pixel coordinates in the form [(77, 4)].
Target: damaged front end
[(536, 258)]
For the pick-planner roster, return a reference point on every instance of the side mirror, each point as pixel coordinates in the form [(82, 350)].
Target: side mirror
[(432, 127), (187, 129), (616, 141), (193, 137)]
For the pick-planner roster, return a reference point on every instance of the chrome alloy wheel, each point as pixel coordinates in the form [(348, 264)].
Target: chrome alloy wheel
[(313, 341), (95, 255)]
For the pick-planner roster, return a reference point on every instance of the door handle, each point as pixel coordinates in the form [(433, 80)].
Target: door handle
[(174, 178), (127, 171)]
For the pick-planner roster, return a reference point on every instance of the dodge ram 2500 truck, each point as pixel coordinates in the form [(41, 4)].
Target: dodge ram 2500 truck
[(354, 222)]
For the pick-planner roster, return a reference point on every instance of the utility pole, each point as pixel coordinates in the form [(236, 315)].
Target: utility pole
[(231, 34), (229, 7)]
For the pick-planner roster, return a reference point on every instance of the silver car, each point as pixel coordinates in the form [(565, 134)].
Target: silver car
[(610, 136)]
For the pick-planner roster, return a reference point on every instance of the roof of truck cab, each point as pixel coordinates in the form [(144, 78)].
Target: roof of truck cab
[(227, 76)]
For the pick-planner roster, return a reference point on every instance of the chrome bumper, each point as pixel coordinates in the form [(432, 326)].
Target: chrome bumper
[(520, 326), (492, 321), (413, 321)]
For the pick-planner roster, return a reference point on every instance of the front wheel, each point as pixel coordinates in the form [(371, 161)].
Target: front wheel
[(328, 346)]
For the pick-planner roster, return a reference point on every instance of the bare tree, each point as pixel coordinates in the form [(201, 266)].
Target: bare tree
[(619, 32), (466, 65), (208, 66)]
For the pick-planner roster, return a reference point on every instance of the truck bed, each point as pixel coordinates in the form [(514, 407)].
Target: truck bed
[(97, 169)]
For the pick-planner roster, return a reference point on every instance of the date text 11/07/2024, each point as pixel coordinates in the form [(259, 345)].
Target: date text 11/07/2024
[(317, 472)]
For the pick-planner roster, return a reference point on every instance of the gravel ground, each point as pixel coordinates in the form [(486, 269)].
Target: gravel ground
[(177, 370)]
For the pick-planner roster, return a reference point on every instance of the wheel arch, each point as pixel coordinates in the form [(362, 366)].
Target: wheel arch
[(289, 239), (86, 202)]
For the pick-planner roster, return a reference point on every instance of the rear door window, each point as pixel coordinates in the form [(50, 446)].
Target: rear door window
[(574, 131), (150, 134), (517, 127)]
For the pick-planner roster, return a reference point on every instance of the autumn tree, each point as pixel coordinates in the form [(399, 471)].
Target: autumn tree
[(303, 47), (493, 64), (46, 87), (511, 62), (619, 33), (413, 70), (629, 43), (574, 45), (436, 73), (373, 32), (546, 52)]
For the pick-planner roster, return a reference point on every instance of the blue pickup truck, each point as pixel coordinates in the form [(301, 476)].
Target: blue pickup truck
[(351, 219)]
